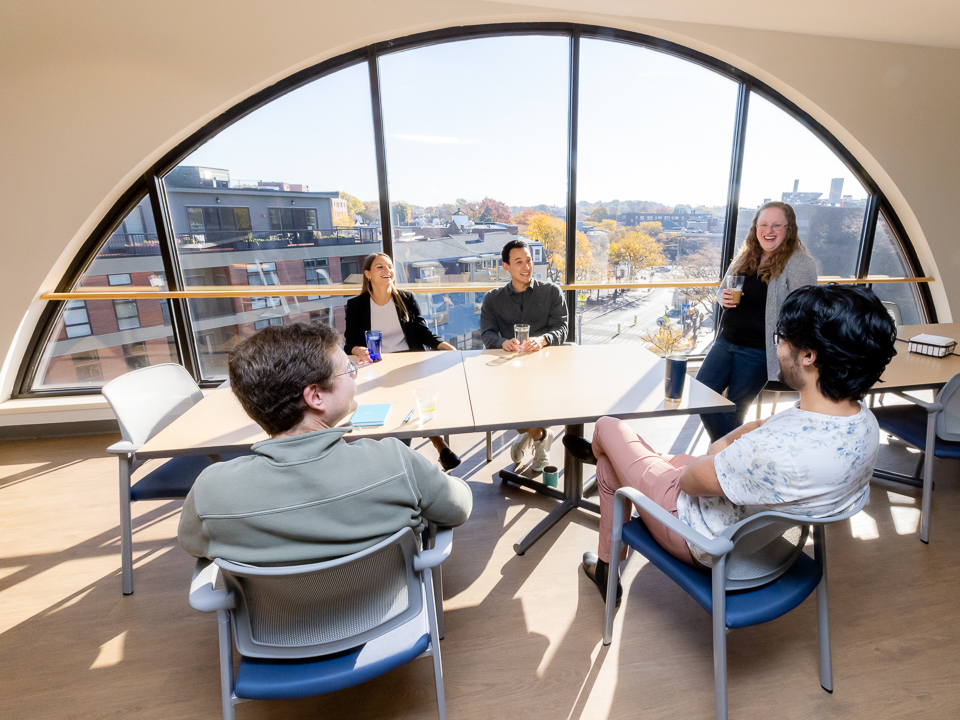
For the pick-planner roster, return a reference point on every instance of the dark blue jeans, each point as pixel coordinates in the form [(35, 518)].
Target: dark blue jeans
[(742, 372)]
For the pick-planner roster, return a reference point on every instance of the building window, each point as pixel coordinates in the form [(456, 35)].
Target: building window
[(87, 367), (293, 219), (348, 268), (317, 273), (76, 321), (261, 324), (261, 274), (219, 224), (135, 355), (119, 279), (128, 317)]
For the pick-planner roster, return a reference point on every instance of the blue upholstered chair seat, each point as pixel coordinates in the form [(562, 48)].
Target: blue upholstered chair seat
[(265, 679), (909, 423), (173, 479), (744, 608)]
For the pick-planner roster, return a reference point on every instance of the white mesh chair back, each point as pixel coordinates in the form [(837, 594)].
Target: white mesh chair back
[(766, 544), (147, 400), (948, 421), (894, 310), (764, 550), (311, 610)]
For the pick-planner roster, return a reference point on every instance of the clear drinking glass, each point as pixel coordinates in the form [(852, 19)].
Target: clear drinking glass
[(521, 333)]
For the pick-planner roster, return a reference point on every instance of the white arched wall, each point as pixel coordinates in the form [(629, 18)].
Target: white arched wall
[(94, 95)]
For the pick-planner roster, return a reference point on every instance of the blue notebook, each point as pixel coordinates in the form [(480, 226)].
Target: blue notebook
[(370, 415)]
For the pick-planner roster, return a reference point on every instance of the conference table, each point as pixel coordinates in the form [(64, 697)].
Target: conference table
[(479, 390), (912, 371)]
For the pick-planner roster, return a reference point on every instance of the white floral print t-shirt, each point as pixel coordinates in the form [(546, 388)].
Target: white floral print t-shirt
[(797, 462)]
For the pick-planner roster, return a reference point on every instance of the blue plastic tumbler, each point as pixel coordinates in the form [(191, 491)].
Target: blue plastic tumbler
[(374, 338)]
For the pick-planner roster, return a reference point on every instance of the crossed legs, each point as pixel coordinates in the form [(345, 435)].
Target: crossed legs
[(625, 460)]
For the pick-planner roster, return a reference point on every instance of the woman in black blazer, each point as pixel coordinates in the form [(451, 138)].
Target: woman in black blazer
[(395, 313)]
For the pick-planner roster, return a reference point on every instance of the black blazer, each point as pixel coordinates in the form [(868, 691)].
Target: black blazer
[(415, 330)]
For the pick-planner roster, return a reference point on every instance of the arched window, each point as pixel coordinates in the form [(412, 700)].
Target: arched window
[(620, 158)]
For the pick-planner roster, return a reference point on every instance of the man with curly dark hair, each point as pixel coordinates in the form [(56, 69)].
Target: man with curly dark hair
[(812, 460)]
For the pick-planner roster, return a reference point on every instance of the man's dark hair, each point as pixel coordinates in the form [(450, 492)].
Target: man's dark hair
[(512, 245), (849, 329), (269, 370)]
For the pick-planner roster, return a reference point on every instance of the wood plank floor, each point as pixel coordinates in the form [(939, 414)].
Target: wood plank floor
[(522, 633)]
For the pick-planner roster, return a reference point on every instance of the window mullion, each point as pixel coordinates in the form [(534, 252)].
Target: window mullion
[(376, 106), (736, 172), (180, 313)]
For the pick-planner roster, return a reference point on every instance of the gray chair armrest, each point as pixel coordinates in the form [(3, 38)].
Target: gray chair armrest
[(933, 407), (440, 551), (716, 547), (124, 447), (202, 595)]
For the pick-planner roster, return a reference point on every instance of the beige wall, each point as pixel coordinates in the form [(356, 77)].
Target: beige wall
[(93, 93)]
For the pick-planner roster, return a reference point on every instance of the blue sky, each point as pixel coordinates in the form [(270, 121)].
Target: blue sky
[(488, 117)]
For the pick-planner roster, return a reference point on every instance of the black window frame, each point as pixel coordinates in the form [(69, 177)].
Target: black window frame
[(150, 183)]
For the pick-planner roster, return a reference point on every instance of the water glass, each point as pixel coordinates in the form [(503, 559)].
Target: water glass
[(374, 338), (521, 333), (426, 403)]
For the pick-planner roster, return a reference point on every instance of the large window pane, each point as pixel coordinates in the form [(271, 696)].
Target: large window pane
[(285, 196), (469, 172), (902, 299), (95, 341), (655, 139), (785, 161)]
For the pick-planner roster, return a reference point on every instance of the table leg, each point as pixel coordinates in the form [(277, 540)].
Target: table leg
[(572, 496)]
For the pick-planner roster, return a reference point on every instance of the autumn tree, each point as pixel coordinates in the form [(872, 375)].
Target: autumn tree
[(653, 229), (668, 339), (599, 214), (702, 265), (490, 210), (608, 225), (524, 216), (637, 248), (371, 212), (354, 205), (552, 232)]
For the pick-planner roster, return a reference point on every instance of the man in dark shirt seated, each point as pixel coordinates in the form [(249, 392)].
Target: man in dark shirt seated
[(524, 301)]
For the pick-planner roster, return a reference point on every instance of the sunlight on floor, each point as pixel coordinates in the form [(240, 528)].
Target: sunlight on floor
[(864, 527), (111, 652), (905, 519)]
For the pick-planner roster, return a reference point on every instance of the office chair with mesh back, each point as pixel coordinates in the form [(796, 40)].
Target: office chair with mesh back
[(304, 630), (760, 573), (934, 428), (144, 402)]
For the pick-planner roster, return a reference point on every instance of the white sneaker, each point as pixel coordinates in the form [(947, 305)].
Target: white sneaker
[(519, 447), (541, 450)]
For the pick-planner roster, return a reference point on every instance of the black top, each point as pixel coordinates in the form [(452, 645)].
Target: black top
[(415, 330), (745, 325)]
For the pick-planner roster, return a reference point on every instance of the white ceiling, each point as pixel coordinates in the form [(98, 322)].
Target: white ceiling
[(918, 22)]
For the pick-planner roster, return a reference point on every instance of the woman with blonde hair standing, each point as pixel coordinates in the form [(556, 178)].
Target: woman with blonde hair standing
[(773, 263), (395, 313)]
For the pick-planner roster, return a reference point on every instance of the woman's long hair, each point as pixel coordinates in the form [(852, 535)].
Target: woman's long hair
[(394, 293), (748, 260)]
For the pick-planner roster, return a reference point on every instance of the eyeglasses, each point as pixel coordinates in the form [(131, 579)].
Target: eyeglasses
[(778, 338), (351, 370), (776, 228)]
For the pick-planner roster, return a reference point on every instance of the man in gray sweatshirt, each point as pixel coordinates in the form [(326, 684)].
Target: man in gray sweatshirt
[(306, 495)]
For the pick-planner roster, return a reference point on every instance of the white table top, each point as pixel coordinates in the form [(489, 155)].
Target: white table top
[(911, 371), (219, 425), (569, 385)]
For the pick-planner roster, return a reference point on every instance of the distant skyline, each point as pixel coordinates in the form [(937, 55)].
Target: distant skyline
[(653, 127)]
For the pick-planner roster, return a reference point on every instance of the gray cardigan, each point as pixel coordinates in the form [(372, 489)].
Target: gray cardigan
[(801, 270), (313, 497)]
